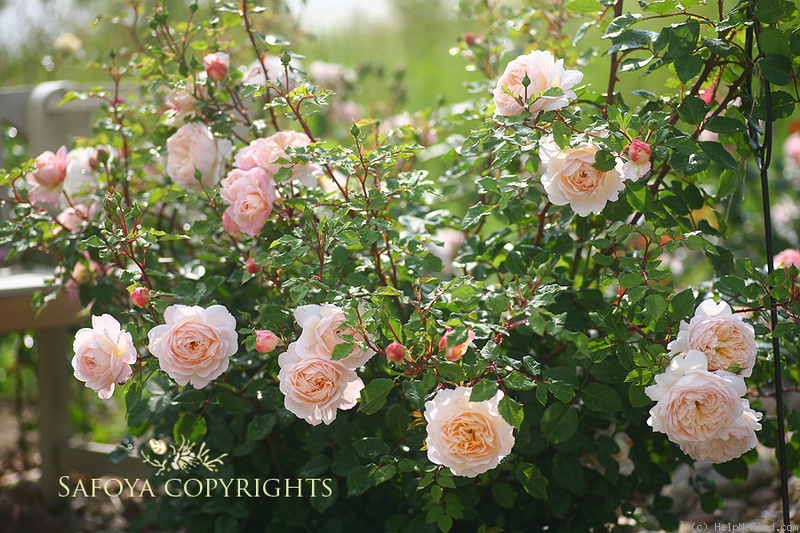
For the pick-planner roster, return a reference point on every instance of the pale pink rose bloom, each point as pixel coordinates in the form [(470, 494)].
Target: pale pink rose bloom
[(250, 194), (193, 147), (544, 73), (229, 225), (194, 345), (740, 439), (787, 258), (266, 341), (330, 75), (74, 217), (47, 179), (181, 100), (570, 177), (469, 438), (265, 153), (791, 150), (396, 352), (693, 404), (104, 354), (455, 353), (216, 65), (315, 388), (322, 327), (451, 241), (723, 336), (82, 179)]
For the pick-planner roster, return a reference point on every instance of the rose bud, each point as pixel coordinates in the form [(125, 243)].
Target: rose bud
[(639, 152), (395, 352), (251, 266), (470, 38), (140, 296), (454, 353), (266, 341), (216, 65)]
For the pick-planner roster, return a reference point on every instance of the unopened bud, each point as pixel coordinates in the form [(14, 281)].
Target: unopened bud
[(266, 341), (639, 152), (396, 352), (251, 266), (140, 296)]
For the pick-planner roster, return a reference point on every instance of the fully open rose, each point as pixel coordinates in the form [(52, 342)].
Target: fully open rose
[(571, 178), (727, 340), (469, 438), (194, 344), (322, 333), (315, 388), (739, 439), (193, 148), (104, 354)]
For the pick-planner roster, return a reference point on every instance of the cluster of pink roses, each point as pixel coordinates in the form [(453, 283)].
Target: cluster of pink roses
[(570, 176), (250, 188), (699, 396), (193, 346), (316, 386)]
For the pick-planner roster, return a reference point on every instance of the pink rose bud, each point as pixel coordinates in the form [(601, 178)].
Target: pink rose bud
[(216, 65), (470, 38), (140, 296), (395, 352), (454, 353), (639, 152), (251, 266), (706, 95), (51, 169), (266, 341)]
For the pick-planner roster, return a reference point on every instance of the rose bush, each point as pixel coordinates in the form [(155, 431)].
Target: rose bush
[(500, 288)]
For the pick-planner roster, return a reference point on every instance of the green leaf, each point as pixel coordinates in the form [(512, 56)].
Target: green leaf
[(370, 447), (771, 12), (689, 164), (568, 472), (474, 216), (604, 161), (719, 154), (359, 480), (484, 390), (229, 402), (619, 24), (602, 398), (692, 110), (681, 305), (735, 469), (511, 411), (583, 6), (777, 69), (559, 422), (373, 396), (260, 427), (724, 125), (662, 7), (688, 68), (561, 134), (504, 495), (342, 350), (774, 41), (532, 480), (719, 47), (452, 372), (190, 427), (384, 473)]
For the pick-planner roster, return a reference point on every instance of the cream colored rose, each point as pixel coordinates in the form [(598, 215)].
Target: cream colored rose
[(194, 344), (194, 148), (544, 73), (740, 439), (322, 327), (315, 388), (727, 340), (104, 354), (570, 177), (469, 438), (693, 404)]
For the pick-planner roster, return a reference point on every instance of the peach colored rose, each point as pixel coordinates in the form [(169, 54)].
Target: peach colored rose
[(216, 65), (544, 73), (266, 340), (467, 437), (266, 154), (693, 404), (788, 258), (315, 388), (194, 344), (724, 337), (740, 438), (250, 194), (455, 353), (194, 148), (47, 179), (104, 354), (322, 327), (570, 177)]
